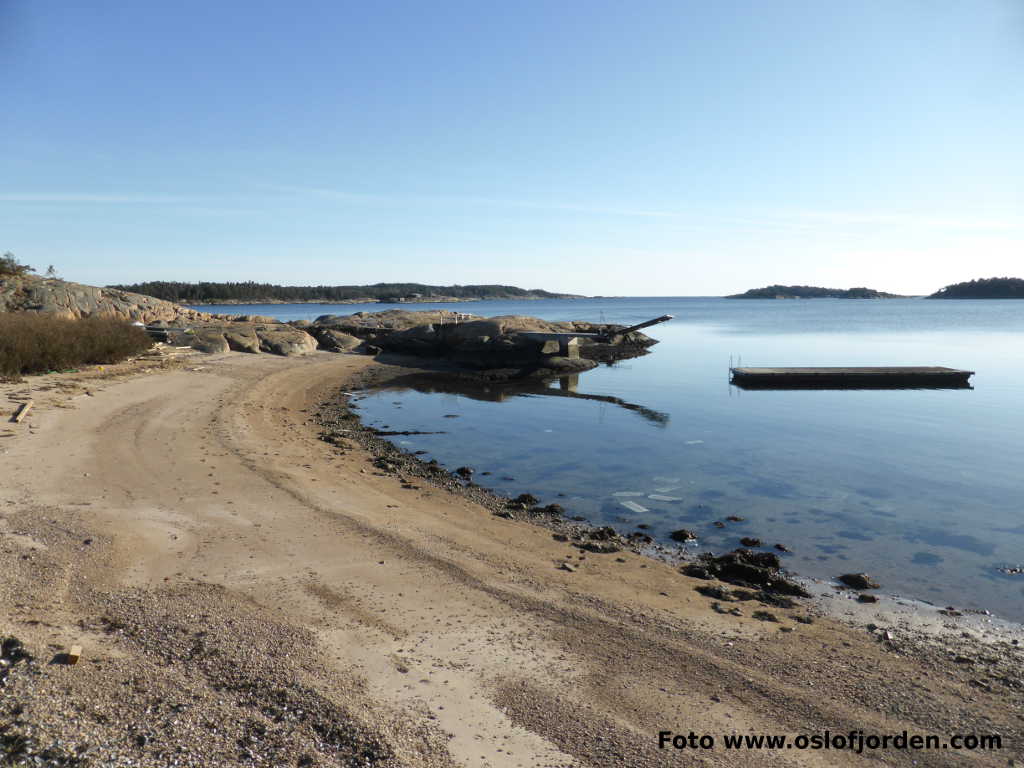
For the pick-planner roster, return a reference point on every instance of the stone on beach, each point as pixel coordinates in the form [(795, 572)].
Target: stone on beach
[(859, 581)]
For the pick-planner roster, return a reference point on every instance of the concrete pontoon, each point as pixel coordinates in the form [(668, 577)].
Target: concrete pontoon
[(897, 377)]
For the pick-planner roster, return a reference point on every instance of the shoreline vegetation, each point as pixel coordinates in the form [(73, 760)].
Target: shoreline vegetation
[(37, 343), (983, 288), (249, 292)]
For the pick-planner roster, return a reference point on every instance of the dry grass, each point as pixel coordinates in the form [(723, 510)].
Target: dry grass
[(38, 343)]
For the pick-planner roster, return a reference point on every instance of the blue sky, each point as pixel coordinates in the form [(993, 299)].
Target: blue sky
[(647, 147)]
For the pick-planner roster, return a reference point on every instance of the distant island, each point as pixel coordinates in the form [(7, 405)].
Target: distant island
[(266, 293), (812, 292), (986, 288)]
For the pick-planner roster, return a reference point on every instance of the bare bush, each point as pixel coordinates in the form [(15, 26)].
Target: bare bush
[(37, 343)]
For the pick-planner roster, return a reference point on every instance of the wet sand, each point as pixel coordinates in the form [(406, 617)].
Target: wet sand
[(436, 630)]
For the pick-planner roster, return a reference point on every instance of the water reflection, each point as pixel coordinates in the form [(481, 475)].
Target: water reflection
[(567, 386), (919, 487)]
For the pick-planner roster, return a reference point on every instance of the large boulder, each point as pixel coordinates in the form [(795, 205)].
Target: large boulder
[(285, 340), (337, 341), (242, 338), (277, 339), (210, 340)]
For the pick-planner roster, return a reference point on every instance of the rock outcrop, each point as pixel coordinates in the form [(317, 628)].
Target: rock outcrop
[(273, 338), (31, 293), (214, 334), (495, 348)]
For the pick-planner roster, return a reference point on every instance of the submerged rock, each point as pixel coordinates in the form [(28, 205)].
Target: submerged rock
[(683, 534)]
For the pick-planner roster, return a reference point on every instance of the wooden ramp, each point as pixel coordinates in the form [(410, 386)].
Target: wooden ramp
[(897, 377)]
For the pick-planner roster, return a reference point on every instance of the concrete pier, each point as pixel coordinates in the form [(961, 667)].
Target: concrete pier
[(869, 377)]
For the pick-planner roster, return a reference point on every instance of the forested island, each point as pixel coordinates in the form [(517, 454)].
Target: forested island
[(985, 288), (265, 293), (812, 292)]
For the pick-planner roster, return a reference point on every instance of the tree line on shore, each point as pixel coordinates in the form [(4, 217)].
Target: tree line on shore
[(985, 288), (811, 292), (253, 292)]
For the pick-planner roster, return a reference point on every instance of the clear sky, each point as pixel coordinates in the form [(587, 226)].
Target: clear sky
[(638, 147)]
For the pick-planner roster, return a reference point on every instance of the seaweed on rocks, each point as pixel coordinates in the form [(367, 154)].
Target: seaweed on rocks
[(760, 571)]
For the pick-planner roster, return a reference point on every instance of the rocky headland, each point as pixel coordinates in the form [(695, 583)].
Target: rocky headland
[(33, 293), (486, 348), (491, 349)]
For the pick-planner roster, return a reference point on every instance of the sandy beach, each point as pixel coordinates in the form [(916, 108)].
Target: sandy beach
[(247, 594)]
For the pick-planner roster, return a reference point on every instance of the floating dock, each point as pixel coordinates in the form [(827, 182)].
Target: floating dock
[(932, 377)]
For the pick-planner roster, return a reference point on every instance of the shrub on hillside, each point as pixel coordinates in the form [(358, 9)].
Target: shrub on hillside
[(11, 267), (37, 343)]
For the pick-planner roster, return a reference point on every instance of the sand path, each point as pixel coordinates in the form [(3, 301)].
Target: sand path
[(459, 617)]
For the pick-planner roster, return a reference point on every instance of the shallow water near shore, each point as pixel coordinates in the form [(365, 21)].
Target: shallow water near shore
[(919, 487)]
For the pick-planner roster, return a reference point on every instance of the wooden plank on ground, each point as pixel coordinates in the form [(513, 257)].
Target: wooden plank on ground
[(22, 412)]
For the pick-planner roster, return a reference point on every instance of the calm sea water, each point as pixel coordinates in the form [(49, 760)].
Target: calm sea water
[(920, 488)]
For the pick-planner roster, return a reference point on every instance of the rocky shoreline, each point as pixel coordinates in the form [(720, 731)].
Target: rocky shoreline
[(757, 576), (488, 349)]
